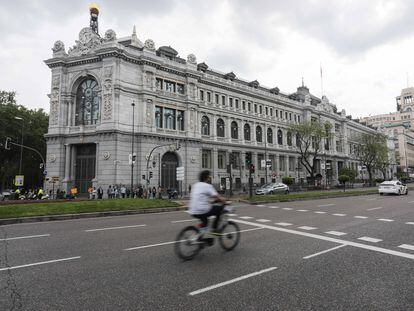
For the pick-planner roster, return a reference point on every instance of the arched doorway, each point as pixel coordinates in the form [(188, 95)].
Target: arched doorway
[(169, 163)]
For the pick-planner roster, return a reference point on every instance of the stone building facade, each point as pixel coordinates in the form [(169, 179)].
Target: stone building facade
[(399, 126), (213, 116)]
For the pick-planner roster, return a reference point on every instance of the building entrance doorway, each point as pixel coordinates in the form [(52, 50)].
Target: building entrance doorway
[(85, 166), (169, 164)]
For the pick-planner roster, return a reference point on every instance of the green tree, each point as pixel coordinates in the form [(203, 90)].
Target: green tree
[(309, 138), (343, 179), (351, 173), (371, 150), (35, 124)]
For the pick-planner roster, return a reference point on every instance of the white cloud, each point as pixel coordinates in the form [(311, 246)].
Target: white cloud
[(364, 46)]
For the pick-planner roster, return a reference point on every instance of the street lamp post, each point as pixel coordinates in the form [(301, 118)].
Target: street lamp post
[(21, 142), (132, 147)]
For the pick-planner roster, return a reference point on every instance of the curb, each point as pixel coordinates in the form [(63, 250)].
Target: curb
[(10, 221), (304, 199)]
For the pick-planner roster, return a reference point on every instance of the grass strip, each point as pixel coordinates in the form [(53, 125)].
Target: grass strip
[(78, 207), (308, 195)]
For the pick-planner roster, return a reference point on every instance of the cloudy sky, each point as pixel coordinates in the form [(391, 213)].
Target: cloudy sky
[(365, 47)]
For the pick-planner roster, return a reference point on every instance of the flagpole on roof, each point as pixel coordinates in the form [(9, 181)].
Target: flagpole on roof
[(321, 80)]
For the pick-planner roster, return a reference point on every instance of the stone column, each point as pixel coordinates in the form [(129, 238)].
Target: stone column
[(214, 162), (287, 165), (66, 178)]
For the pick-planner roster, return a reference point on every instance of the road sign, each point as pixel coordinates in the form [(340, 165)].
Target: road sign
[(180, 172), (262, 163), (55, 178), (227, 183), (19, 180), (322, 166)]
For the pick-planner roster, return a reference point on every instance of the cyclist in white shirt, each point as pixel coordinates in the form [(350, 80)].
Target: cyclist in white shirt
[(203, 195)]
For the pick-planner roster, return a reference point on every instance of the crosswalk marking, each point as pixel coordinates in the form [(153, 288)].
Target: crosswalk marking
[(339, 215), (307, 228), (337, 233), (407, 246), (246, 217), (263, 220), (368, 239), (284, 224), (385, 219)]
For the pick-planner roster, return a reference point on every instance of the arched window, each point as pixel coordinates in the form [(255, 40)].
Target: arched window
[(205, 126), (259, 136), (246, 131), (269, 136), (279, 137), (87, 102), (234, 130), (289, 138), (220, 128)]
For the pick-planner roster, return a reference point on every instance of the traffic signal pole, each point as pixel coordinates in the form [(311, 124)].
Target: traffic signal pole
[(250, 182)]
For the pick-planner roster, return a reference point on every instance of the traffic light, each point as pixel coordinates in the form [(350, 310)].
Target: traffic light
[(248, 160), (150, 175), (252, 168), (7, 145)]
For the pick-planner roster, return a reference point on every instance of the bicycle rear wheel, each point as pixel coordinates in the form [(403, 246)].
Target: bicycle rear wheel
[(229, 236), (187, 244)]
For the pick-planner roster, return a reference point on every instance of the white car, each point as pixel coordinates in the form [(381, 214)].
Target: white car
[(273, 188), (393, 186)]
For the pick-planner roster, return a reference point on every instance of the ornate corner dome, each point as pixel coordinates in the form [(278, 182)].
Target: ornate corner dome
[(254, 84), (167, 51), (230, 76), (202, 67)]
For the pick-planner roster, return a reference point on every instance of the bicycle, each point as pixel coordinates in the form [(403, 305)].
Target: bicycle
[(192, 239)]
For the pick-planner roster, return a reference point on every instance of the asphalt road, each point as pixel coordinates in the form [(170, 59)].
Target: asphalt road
[(335, 254)]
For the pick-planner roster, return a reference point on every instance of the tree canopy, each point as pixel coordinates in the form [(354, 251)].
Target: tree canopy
[(372, 151), (309, 137), (35, 124)]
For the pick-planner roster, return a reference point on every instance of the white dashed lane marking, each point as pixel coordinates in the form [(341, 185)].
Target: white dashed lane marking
[(230, 281), (336, 233), (331, 239), (273, 206), (368, 239), (407, 246), (284, 224), (303, 210), (317, 212), (385, 219), (409, 223), (287, 208), (361, 217), (246, 217), (307, 228), (325, 205), (262, 220), (339, 215), (260, 205), (374, 208), (232, 215)]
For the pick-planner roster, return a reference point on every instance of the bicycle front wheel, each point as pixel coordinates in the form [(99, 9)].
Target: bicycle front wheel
[(187, 244), (229, 236)]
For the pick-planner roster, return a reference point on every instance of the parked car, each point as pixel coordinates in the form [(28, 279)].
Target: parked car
[(393, 186), (6, 195), (273, 188)]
